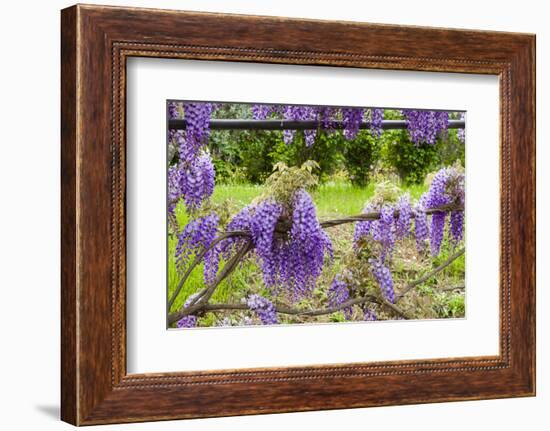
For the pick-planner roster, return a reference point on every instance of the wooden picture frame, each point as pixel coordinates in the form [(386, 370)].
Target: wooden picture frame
[(96, 41)]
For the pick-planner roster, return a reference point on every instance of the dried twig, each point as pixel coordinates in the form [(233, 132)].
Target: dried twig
[(207, 293), (198, 259), (429, 275), (318, 312)]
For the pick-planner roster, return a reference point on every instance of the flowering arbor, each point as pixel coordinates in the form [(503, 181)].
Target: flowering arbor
[(281, 231)]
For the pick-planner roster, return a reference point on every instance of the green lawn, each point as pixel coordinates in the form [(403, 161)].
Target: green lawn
[(331, 198)]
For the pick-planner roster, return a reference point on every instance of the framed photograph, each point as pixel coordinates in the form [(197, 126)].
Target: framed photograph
[(260, 217)]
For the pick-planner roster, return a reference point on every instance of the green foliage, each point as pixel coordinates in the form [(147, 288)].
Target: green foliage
[(326, 152), (411, 162), (360, 156), (386, 192), (450, 149), (284, 181), (447, 306), (255, 154), (229, 173)]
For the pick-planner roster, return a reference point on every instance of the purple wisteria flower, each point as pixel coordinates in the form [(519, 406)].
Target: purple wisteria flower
[(457, 225), (189, 321), (292, 261), (461, 133), (383, 277), (262, 112), (403, 221), (327, 116), (308, 246), (425, 126), (421, 229), (192, 181), (197, 130), (174, 187), (369, 314), (338, 293), (363, 228), (351, 121), (297, 112), (241, 222), (174, 110), (447, 188), (264, 309), (437, 228), (377, 117), (393, 224), (193, 177), (262, 227), (383, 232), (198, 235)]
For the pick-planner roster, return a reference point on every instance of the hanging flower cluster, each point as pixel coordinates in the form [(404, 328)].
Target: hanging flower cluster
[(425, 126), (351, 120), (189, 321), (446, 189), (197, 235), (461, 133), (327, 116), (193, 177), (291, 260), (421, 228), (192, 181), (264, 309), (338, 293), (394, 223), (383, 277), (376, 119), (369, 314), (384, 231), (262, 112)]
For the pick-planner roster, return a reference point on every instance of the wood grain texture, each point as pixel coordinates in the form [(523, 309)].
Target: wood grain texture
[(69, 397), (96, 41)]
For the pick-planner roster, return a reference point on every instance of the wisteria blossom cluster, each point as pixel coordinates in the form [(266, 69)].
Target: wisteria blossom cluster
[(369, 314), (461, 133), (425, 126), (338, 294), (327, 116), (446, 192), (290, 260), (192, 179), (299, 112), (264, 309), (384, 231), (383, 277), (392, 225), (190, 320), (198, 235)]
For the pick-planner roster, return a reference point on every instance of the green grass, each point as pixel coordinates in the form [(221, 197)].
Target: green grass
[(331, 198), (241, 194), (341, 199)]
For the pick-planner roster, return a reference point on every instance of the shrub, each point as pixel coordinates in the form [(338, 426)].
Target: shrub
[(411, 162), (360, 157)]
